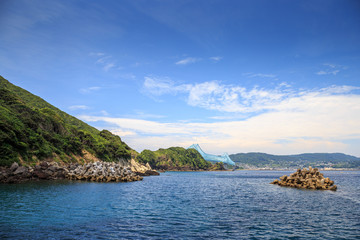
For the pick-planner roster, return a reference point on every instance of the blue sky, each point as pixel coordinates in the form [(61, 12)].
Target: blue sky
[(281, 77)]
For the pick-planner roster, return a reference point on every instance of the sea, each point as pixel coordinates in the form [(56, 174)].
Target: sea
[(182, 205)]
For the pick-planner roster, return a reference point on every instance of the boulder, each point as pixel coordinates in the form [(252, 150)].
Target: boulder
[(20, 170), (40, 174), (44, 165), (14, 166)]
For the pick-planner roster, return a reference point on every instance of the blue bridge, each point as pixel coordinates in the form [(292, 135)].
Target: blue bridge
[(213, 158)]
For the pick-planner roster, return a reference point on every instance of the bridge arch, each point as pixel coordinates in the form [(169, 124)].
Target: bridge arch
[(213, 158)]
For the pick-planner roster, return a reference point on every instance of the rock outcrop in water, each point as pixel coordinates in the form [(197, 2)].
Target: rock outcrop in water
[(306, 178), (97, 171)]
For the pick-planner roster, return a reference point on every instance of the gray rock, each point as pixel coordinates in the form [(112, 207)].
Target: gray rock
[(14, 166), (52, 168), (20, 170)]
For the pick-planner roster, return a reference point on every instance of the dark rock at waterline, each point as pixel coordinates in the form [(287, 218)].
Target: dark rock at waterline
[(40, 174), (148, 173), (306, 178)]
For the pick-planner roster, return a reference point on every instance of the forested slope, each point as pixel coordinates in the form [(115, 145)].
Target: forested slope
[(32, 129)]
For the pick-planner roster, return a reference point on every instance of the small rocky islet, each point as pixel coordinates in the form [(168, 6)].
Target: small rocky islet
[(97, 171), (306, 179)]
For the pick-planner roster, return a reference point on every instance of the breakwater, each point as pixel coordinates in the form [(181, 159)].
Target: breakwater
[(96, 171), (306, 178)]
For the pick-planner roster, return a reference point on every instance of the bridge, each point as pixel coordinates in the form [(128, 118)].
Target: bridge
[(213, 158)]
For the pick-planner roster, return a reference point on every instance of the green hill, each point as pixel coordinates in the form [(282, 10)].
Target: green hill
[(32, 130), (320, 160), (174, 158)]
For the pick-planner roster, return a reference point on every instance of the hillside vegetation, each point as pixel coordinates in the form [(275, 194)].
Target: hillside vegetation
[(319, 160), (174, 158), (32, 129)]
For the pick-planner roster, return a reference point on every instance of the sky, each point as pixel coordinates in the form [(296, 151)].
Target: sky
[(280, 77)]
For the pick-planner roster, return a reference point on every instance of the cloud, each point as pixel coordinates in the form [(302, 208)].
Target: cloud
[(108, 66), (187, 61), (255, 119), (331, 69), (79, 107), (106, 61), (214, 95), (99, 54), (89, 90), (328, 72), (105, 113), (310, 122), (260, 75), (158, 86), (216, 59)]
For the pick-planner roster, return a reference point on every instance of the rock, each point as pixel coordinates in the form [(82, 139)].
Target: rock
[(309, 179), (14, 166), (52, 168), (20, 170), (40, 174), (148, 173), (97, 171), (44, 165), (283, 178)]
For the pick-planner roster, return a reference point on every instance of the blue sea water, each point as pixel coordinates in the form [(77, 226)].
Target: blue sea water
[(182, 205)]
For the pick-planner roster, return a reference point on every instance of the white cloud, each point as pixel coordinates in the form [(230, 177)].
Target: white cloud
[(334, 72), (216, 59), (187, 61), (129, 76), (89, 89), (260, 75), (98, 54), (234, 99), (158, 86), (330, 65), (108, 66), (106, 61), (103, 59), (331, 69), (105, 113), (79, 107), (123, 133), (310, 122)]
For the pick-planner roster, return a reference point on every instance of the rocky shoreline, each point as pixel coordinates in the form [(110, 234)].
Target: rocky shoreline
[(307, 179), (96, 171)]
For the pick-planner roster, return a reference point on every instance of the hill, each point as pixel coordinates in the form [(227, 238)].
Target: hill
[(319, 160), (32, 130), (174, 158)]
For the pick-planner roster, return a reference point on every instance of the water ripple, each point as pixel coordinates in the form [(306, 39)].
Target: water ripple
[(195, 205)]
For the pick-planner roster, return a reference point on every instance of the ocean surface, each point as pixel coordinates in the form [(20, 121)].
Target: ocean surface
[(182, 205)]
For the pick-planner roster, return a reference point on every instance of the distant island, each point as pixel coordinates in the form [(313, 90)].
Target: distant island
[(256, 160)]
